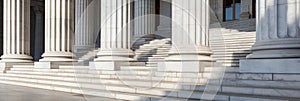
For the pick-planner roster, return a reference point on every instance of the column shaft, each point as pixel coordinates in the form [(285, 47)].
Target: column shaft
[(115, 31), (190, 30), (144, 17), (84, 25), (59, 30), (190, 48), (16, 31)]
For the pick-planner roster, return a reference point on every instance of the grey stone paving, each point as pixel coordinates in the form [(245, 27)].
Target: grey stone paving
[(18, 93)]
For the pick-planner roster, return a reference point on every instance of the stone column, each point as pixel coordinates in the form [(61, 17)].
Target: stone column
[(277, 49), (59, 31), (190, 51), (115, 35), (16, 33), (84, 26), (144, 23)]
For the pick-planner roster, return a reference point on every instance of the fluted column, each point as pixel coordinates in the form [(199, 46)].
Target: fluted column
[(278, 33), (144, 13), (16, 31), (190, 46), (115, 31), (59, 30), (277, 47), (84, 25)]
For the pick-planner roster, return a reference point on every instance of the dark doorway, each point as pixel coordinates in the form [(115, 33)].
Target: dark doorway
[(253, 8), (1, 27), (37, 29)]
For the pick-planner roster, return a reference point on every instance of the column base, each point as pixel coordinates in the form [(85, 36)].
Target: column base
[(270, 65), (53, 64), (113, 65), (15, 58), (4, 66), (183, 66)]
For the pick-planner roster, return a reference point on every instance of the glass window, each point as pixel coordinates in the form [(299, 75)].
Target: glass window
[(229, 10), (232, 9), (237, 9)]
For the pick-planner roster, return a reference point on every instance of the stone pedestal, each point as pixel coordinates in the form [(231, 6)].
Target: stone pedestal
[(277, 49)]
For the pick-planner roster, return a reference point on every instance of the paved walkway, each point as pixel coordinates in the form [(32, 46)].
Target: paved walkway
[(18, 93)]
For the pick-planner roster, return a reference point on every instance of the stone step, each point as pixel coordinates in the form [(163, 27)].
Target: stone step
[(153, 91), (231, 44), (138, 68), (220, 52), (229, 41), (229, 55), (229, 58), (261, 83), (87, 73), (262, 91), (93, 92), (237, 33), (231, 48), (221, 69), (23, 66), (228, 61), (116, 80), (228, 37)]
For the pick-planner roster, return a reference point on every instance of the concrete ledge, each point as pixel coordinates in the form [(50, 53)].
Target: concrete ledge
[(113, 65), (270, 65), (183, 66)]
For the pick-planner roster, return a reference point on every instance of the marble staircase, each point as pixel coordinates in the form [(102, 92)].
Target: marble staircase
[(233, 41), (88, 56), (153, 52), (135, 83)]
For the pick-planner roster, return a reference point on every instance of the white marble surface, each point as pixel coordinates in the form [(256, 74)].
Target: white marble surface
[(270, 65)]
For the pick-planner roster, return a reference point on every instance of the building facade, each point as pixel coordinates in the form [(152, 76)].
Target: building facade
[(181, 36)]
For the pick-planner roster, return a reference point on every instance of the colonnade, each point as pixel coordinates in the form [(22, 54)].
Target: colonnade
[(278, 35)]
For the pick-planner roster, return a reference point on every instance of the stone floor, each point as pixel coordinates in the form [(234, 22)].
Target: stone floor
[(18, 93)]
